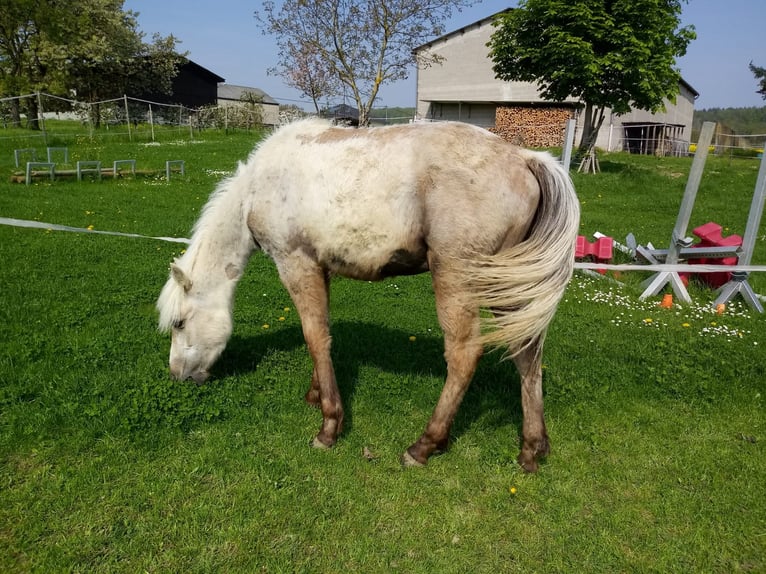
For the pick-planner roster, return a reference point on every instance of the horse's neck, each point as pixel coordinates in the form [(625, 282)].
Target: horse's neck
[(221, 247)]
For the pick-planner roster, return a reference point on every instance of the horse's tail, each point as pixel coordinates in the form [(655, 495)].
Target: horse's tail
[(523, 285)]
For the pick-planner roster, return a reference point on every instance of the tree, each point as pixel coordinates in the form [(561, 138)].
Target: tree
[(19, 36), (760, 75), (302, 68), (618, 54), (89, 47), (359, 44)]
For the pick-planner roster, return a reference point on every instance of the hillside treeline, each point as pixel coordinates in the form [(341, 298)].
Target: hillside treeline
[(741, 121)]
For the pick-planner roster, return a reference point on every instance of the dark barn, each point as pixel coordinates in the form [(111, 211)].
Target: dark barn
[(193, 87)]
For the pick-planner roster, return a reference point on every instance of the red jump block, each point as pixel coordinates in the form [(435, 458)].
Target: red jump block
[(710, 236), (599, 251)]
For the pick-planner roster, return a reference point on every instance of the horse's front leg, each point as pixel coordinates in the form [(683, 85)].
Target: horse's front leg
[(535, 444), (462, 350), (308, 286)]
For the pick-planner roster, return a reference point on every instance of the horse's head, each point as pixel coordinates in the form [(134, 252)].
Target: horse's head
[(199, 322)]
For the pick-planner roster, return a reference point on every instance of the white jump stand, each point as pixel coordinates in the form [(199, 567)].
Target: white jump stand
[(40, 165), (88, 167), (17, 153), (52, 150), (174, 163), (658, 281), (738, 282), (120, 162)]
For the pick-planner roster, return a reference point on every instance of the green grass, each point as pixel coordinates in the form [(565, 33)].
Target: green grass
[(106, 465)]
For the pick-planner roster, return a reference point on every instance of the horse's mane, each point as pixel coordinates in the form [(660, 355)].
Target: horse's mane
[(218, 207), (169, 304)]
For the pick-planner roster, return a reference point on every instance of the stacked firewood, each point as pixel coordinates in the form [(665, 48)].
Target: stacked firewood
[(535, 127)]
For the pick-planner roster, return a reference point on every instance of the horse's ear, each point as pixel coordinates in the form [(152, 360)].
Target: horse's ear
[(180, 277)]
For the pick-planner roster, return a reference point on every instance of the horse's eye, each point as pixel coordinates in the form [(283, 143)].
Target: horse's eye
[(179, 324)]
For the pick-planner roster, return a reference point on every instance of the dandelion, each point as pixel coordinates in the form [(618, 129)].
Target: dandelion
[(512, 490), (90, 228), (412, 337), (686, 325), (265, 326), (648, 321), (286, 309), (281, 318)]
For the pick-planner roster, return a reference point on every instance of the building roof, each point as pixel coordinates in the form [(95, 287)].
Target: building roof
[(459, 31), (198, 70), (234, 93)]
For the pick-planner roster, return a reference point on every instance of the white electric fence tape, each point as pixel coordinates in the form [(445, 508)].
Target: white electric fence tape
[(679, 268), (54, 227)]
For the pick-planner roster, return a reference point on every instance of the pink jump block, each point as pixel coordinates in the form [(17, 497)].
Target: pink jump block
[(600, 250), (710, 236)]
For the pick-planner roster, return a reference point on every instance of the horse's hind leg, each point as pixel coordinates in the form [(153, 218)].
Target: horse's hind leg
[(462, 350), (535, 443), (308, 286)]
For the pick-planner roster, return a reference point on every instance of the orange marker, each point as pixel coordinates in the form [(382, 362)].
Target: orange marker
[(667, 301)]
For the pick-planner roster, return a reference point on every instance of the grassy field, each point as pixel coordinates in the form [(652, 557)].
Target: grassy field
[(656, 416)]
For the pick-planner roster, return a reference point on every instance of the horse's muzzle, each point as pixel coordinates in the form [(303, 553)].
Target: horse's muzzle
[(198, 377)]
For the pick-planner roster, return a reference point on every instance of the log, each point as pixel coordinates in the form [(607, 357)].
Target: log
[(535, 127), (21, 177)]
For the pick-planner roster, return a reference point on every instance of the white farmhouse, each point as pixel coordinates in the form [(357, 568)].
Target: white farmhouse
[(463, 87)]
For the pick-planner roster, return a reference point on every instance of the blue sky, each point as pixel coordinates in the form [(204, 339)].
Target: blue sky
[(223, 37)]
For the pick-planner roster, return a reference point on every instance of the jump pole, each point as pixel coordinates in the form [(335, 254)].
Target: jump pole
[(738, 282), (657, 282)]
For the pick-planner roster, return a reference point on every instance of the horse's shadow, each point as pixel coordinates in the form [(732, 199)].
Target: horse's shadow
[(494, 391)]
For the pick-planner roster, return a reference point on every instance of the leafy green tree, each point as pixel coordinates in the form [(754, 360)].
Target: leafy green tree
[(90, 48), (20, 40), (360, 44), (618, 54), (760, 75)]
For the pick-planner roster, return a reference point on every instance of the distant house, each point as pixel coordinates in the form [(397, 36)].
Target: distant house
[(342, 113), (231, 95), (463, 87)]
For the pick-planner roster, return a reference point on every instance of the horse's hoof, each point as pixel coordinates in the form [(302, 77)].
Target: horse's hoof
[(409, 461), (318, 444), (529, 466)]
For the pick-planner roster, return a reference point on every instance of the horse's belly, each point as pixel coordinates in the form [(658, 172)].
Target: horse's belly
[(375, 262)]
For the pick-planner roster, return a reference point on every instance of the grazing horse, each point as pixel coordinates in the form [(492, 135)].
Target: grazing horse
[(495, 225)]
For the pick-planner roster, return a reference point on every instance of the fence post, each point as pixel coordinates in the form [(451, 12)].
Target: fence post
[(569, 134), (41, 114), (151, 120), (90, 119), (127, 117)]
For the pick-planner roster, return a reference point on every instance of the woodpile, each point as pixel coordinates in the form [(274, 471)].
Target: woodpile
[(535, 127)]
